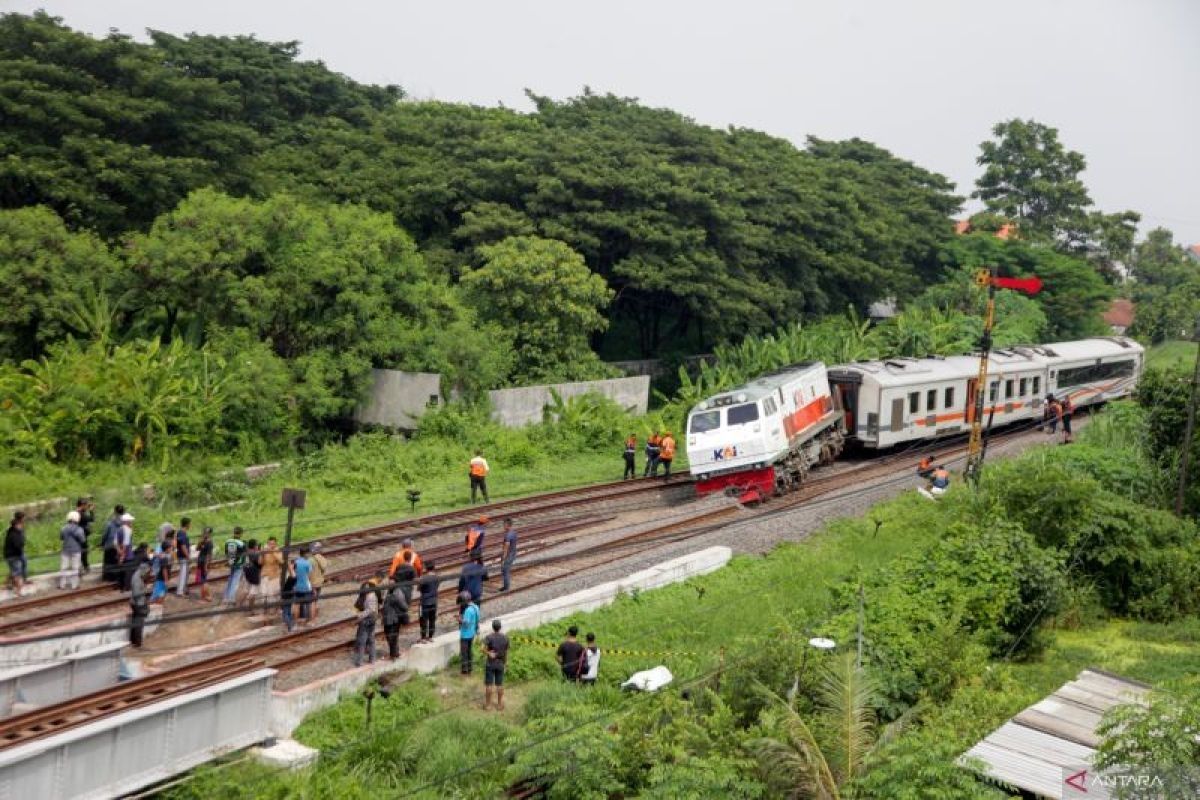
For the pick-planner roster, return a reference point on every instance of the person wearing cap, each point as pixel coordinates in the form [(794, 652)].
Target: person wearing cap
[(468, 627), (478, 470), (474, 539), (320, 566), (126, 550), (14, 552), (73, 542), (495, 647)]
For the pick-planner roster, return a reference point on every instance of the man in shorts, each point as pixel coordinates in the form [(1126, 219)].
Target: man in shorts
[(496, 648)]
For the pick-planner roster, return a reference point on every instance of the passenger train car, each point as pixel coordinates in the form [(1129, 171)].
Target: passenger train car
[(762, 438), (905, 399)]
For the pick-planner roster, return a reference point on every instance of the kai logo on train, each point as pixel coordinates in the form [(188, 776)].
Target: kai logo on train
[(724, 453)]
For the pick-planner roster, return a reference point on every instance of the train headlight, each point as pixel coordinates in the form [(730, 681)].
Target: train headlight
[(741, 398), (703, 405)]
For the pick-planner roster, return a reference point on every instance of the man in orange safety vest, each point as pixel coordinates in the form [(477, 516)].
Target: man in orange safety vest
[(666, 453), (478, 471), (474, 540)]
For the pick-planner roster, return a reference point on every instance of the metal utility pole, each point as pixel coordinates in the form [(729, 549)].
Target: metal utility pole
[(985, 277), (1185, 456), (291, 500)]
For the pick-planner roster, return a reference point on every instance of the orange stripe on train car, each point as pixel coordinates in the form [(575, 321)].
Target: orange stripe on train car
[(806, 416)]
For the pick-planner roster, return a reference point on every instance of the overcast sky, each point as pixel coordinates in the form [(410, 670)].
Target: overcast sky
[(926, 79)]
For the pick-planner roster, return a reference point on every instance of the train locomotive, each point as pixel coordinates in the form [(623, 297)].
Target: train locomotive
[(762, 438)]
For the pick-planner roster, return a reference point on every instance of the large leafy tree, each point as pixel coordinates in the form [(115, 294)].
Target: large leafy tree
[(47, 273), (544, 292), (1030, 177), (1167, 288)]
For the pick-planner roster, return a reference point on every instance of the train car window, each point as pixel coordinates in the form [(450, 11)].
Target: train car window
[(706, 421), (948, 400), (914, 402), (738, 415), (1008, 388), (1024, 385), (1076, 376), (931, 400), (1037, 385), (993, 389), (769, 407)]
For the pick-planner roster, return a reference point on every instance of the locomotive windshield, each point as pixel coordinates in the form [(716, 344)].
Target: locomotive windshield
[(706, 421), (743, 413)]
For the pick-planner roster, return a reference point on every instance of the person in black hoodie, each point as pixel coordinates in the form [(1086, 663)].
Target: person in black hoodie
[(14, 552)]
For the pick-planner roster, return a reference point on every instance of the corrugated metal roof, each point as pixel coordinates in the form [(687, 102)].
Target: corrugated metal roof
[(1055, 737)]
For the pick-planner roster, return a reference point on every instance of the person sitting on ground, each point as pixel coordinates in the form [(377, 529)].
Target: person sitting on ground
[(570, 655), (495, 646), (591, 668), (925, 468), (941, 480)]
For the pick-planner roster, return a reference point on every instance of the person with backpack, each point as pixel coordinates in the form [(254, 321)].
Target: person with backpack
[(235, 556), (367, 606), (404, 576), (110, 544), (394, 615), (252, 575), (73, 543), (468, 627), (430, 584), (630, 456)]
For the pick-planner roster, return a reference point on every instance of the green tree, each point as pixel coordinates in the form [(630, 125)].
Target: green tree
[(544, 292), (46, 271), (1159, 738), (1031, 178)]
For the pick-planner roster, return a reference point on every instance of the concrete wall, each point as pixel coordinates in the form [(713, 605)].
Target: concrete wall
[(125, 752), (35, 685), (398, 398), (524, 405)]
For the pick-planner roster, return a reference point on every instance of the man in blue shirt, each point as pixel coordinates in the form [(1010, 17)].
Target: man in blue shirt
[(468, 626), (508, 555), (303, 570)]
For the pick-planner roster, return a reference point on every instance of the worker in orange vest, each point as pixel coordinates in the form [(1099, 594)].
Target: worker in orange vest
[(478, 471), (474, 540), (398, 559), (666, 453), (925, 468), (630, 455)]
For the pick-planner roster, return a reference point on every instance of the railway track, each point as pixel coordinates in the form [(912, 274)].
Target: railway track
[(20, 616)]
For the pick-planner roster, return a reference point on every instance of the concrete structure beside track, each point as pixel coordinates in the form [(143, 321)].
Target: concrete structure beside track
[(131, 750), (56, 643), (44, 683)]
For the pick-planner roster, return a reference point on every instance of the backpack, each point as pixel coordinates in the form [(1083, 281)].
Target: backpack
[(360, 604), (233, 551)]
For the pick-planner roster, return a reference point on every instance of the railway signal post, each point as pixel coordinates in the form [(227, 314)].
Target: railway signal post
[(988, 279), (291, 500)]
